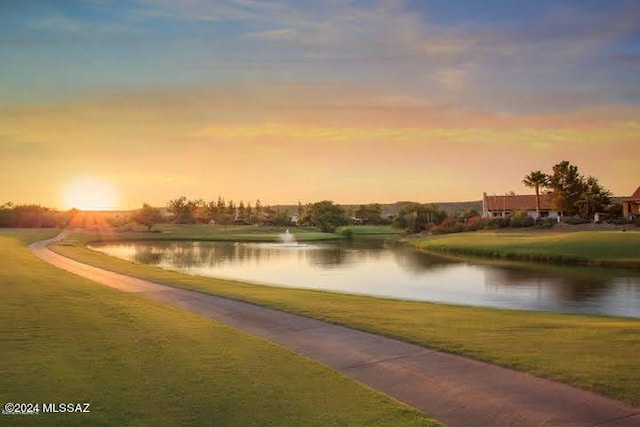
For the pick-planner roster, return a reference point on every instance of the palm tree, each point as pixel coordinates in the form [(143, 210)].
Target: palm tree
[(536, 179)]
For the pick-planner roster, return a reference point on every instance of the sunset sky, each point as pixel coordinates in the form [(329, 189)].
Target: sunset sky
[(304, 100)]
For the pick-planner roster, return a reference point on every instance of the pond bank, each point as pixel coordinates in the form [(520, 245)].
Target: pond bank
[(615, 249)]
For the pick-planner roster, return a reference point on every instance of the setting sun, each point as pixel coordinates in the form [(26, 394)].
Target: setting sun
[(89, 193)]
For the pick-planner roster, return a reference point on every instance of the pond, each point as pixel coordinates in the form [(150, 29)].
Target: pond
[(377, 268)]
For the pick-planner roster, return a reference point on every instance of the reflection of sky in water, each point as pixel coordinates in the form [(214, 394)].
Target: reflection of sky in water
[(373, 268)]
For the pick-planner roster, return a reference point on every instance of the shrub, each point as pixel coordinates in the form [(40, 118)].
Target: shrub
[(576, 220), (494, 223), (473, 224), (620, 221), (545, 223), (521, 219), (347, 233), (448, 225)]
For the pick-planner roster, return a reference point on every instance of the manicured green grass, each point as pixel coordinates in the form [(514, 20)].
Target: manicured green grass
[(362, 230), (592, 352), (212, 232), (234, 233), (138, 362), (604, 248)]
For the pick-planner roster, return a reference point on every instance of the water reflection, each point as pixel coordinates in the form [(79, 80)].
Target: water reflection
[(417, 263), (567, 285), (377, 268)]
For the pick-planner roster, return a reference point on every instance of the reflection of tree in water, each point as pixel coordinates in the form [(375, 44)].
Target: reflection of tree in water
[(182, 255), (576, 284), (329, 257), (147, 254), (417, 262), (220, 253)]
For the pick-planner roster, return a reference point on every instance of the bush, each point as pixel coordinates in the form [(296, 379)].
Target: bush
[(575, 220), (620, 221), (545, 223), (448, 225), (473, 224), (521, 219), (495, 223), (347, 233)]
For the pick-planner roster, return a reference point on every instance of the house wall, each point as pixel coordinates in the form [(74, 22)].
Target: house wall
[(530, 213), (630, 208), (544, 214)]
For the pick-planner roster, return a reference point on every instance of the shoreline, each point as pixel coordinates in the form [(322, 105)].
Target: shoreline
[(579, 248)]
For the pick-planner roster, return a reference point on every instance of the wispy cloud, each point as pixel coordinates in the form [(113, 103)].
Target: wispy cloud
[(280, 34), (64, 25)]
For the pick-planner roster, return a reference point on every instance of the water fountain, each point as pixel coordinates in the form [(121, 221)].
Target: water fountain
[(288, 238)]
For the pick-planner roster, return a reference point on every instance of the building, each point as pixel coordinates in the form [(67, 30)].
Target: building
[(504, 205), (631, 205)]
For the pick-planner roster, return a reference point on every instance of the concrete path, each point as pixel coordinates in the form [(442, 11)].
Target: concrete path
[(453, 389)]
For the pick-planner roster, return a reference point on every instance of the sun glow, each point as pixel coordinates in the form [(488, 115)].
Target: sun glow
[(89, 194)]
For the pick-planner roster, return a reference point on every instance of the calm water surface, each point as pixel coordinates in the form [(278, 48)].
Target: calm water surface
[(381, 269)]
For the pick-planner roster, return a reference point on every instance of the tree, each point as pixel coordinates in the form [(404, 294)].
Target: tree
[(594, 198), (211, 210), (281, 218), (536, 180), (28, 216), (574, 194), (469, 213), (242, 212), (268, 214), (415, 217), (370, 214), (180, 210), (250, 216), (566, 186), (231, 209), (198, 209), (147, 216), (326, 215)]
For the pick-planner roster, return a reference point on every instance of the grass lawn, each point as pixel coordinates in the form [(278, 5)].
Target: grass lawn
[(233, 233), (603, 248), (592, 352), (378, 230), (137, 362), (214, 232)]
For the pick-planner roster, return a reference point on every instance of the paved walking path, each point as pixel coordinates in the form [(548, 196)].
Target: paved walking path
[(453, 389)]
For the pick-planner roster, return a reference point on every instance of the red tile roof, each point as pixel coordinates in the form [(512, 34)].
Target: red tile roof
[(635, 197), (518, 202)]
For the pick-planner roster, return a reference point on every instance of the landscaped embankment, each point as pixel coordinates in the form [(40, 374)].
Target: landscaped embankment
[(618, 248)]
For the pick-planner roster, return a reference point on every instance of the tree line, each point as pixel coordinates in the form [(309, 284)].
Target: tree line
[(326, 215), (30, 216)]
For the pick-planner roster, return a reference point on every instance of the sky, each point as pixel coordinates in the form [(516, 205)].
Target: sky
[(284, 101)]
